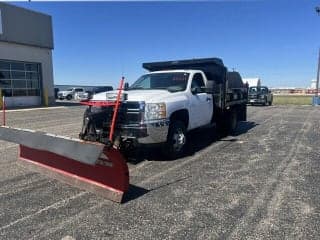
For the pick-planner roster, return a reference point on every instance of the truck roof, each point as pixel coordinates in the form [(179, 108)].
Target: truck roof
[(182, 64), (212, 67), (174, 70)]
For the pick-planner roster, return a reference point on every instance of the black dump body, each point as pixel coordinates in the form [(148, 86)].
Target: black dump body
[(235, 80), (226, 87), (212, 67)]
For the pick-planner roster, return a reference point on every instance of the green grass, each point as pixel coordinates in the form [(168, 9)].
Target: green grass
[(292, 100)]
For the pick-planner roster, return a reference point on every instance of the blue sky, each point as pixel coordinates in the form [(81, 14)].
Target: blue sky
[(97, 42)]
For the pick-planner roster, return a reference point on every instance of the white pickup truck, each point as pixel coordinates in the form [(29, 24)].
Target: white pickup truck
[(174, 98), (70, 93)]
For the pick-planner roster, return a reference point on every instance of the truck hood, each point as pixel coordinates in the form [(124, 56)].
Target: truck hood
[(136, 95)]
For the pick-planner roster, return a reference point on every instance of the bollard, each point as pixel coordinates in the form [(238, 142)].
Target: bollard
[(3, 111), (1, 98)]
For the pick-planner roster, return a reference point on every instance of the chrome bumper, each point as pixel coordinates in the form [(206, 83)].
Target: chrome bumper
[(256, 100), (147, 133)]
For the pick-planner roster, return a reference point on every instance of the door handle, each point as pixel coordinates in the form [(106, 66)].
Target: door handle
[(208, 99)]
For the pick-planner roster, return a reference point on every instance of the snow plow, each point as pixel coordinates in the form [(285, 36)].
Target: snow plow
[(93, 166)]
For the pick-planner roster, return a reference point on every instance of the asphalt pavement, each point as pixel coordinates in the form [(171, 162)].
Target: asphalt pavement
[(261, 183)]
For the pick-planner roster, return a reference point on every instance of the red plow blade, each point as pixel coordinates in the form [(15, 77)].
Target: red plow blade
[(105, 173)]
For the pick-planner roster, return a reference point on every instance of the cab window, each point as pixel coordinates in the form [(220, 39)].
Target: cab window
[(197, 81)]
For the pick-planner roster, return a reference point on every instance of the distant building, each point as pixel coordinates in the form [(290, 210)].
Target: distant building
[(289, 90), (313, 84), (26, 43), (252, 82)]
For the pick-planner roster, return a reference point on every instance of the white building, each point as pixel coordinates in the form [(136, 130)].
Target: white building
[(253, 82), (26, 43)]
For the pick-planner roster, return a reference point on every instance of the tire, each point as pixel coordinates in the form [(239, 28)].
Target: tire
[(69, 97), (265, 102), (270, 103), (176, 143), (233, 121), (243, 113)]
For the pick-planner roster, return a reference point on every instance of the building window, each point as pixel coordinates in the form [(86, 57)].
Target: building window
[(19, 78)]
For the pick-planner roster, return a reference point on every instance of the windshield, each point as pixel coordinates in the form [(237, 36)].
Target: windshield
[(176, 81), (253, 90), (69, 89), (258, 90)]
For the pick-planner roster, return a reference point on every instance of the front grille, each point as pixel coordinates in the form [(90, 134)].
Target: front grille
[(129, 113), (253, 96)]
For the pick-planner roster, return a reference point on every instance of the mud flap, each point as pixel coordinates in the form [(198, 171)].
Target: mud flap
[(90, 166)]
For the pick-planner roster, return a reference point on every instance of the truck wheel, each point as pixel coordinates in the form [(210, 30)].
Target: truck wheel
[(176, 140), (233, 121), (243, 113), (69, 97)]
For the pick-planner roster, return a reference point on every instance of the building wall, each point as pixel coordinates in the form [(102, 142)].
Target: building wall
[(12, 51), (26, 27)]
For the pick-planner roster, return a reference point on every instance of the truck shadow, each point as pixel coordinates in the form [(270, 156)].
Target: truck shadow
[(135, 192), (203, 138), (198, 140)]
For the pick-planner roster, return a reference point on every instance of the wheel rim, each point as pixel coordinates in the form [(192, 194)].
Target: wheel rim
[(179, 140)]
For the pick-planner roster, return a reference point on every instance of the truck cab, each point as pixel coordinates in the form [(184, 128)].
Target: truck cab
[(175, 90)]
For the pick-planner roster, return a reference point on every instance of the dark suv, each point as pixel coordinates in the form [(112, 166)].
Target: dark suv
[(260, 95)]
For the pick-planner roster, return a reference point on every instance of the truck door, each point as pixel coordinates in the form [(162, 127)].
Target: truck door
[(201, 104)]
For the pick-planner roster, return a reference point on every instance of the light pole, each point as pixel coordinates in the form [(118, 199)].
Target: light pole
[(318, 71)]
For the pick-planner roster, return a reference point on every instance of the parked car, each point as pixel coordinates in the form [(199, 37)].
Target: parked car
[(260, 95), (69, 93), (88, 94)]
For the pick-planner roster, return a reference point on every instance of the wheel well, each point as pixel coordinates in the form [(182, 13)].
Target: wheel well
[(181, 115)]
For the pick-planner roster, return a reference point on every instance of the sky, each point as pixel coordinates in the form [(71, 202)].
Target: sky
[(95, 43)]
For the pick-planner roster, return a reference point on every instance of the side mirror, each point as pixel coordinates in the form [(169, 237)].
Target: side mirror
[(126, 86), (194, 90)]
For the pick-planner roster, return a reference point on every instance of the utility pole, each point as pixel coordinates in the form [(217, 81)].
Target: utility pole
[(316, 101), (318, 73)]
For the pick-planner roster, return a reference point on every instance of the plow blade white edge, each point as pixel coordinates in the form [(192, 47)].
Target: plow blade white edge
[(81, 151)]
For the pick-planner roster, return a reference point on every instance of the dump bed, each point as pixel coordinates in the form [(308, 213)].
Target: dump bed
[(213, 68)]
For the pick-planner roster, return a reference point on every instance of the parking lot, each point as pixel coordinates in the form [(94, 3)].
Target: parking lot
[(262, 183)]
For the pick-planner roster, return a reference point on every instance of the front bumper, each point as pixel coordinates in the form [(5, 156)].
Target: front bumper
[(257, 100), (147, 133)]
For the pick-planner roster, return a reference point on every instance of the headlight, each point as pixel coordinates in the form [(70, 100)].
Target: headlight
[(262, 96), (155, 111)]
